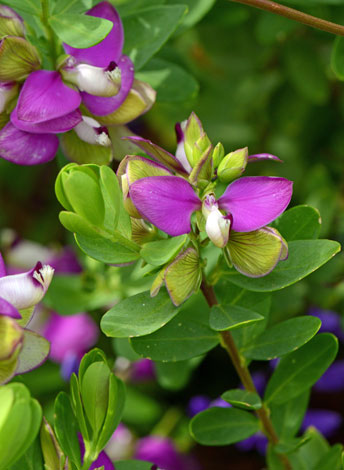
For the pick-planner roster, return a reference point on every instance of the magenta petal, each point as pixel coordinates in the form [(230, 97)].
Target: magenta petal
[(2, 266), (110, 48), (255, 201), (263, 156), (53, 126), (165, 201), (100, 105), (8, 309), (24, 148), (44, 96)]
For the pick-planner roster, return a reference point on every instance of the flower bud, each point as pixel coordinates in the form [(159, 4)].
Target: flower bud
[(217, 225), (218, 154), (18, 58), (11, 24), (180, 152), (193, 131), (8, 91), (232, 165), (93, 80)]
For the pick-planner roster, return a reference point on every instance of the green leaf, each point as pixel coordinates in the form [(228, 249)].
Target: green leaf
[(105, 250), (82, 152), (305, 257), (114, 411), (243, 399), (31, 460), (337, 57), (95, 355), (300, 369), (148, 29), (138, 315), (290, 445), (112, 197), (175, 375), (332, 459), (282, 338), (133, 465), (299, 223), (77, 406), (171, 82), (80, 31), (223, 426), (66, 6), (66, 428), (287, 417), (33, 7), (197, 9), (95, 394), (161, 251), (311, 452), (187, 335), (228, 317)]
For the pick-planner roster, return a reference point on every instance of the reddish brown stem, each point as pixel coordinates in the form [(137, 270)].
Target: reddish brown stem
[(295, 15)]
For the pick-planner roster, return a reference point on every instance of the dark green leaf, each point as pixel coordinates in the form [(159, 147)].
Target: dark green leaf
[(305, 257), (175, 375), (171, 82), (33, 7), (299, 223), (80, 31), (300, 369), (66, 428), (133, 465), (243, 399), (148, 29), (287, 418), (223, 426), (228, 317), (332, 459), (138, 315), (282, 338), (187, 335)]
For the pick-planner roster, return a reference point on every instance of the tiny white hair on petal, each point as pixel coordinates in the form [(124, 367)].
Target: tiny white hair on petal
[(103, 139), (44, 276)]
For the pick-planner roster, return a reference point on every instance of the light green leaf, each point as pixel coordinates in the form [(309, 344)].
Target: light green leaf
[(305, 257), (66, 6), (138, 315), (82, 152), (282, 338), (35, 350), (300, 369), (299, 223), (337, 57), (243, 399), (332, 459), (80, 31), (228, 317), (161, 251), (175, 375), (148, 29), (223, 426), (133, 465), (32, 7)]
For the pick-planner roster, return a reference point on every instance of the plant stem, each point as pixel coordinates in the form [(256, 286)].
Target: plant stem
[(49, 32), (244, 374), (296, 15)]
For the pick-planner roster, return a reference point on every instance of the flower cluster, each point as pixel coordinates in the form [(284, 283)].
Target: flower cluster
[(90, 91)]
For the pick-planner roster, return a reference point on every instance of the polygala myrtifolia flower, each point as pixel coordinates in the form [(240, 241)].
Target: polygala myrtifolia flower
[(167, 194), (91, 90), (19, 293)]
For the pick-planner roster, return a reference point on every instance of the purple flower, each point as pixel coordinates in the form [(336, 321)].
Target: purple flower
[(25, 290), (330, 321), (326, 421), (197, 404), (142, 370), (161, 451), (332, 380), (70, 335), (258, 441)]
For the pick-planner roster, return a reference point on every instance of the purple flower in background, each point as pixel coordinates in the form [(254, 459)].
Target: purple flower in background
[(102, 461), (71, 335), (142, 370), (330, 321), (25, 290), (332, 380), (197, 404), (162, 452), (257, 442), (326, 421)]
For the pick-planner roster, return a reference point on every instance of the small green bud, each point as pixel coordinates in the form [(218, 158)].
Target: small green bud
[(11, 24), (202, 145), (18, 58), (232, 165), (218, 154), (193, 131), (52, 453)]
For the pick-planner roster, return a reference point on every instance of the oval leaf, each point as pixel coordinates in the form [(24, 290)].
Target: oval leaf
[(229, 317), (243, 399), (282, 338), (299, 223), (223, 426), (138, 315), (301, 369)]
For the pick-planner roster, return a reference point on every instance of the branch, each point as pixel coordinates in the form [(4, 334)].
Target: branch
[(296, 15)]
